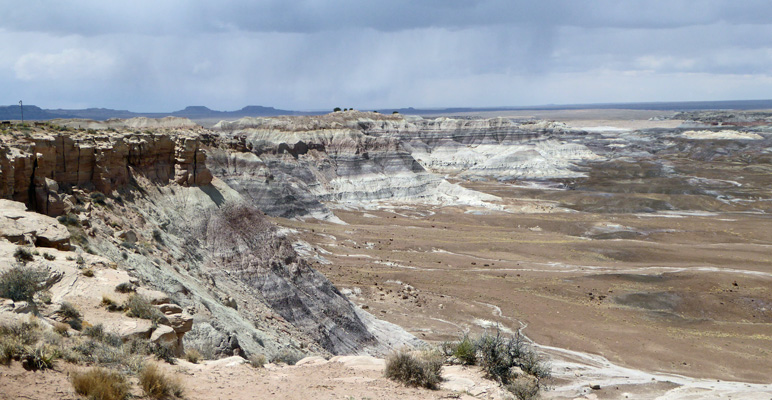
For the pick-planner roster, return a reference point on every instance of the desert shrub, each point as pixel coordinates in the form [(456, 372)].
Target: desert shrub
[(165, 353), (98, 198), (110, 304), (139, 306), (157, 385), (20, 283), (88, 272), (100, 384), (257, 360), (466, 351), (157, 236), (68, 311), (192, 355), (126, 287), (523, 388), (128, 245), (49, 256), (69, 220), (287, 357), (28, 332), (23, 255), (39, 357), (97, 332), (11, 347), (499, 355), (61, 328), (404, 367), (99, 352)]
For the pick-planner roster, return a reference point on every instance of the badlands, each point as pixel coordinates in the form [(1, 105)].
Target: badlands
[(632, 247)]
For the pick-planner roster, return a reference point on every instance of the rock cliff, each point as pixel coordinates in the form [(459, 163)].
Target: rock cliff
[(42, 170), (147, 202), (295, 166)]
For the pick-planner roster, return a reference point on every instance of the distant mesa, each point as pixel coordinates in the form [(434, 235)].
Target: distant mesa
[(33, 113)]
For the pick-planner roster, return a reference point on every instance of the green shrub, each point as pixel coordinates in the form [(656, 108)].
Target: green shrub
[(139, 306), (100, 384), (164, 352), (125, 287), (97, 332), (287, 357), (98, 198), (466, 351), (39, 357), (23, 255), (157, 385), (49, 256), (20, 283), (404, 367), (499, 355), (157, 236), (68, 311), (69, 220)]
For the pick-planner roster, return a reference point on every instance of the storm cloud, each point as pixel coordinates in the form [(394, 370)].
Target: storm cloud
[(163, 55)]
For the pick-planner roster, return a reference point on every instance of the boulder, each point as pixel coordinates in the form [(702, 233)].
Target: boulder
[(180, 322), (135, 329), (164, 335), (19, 225), (169, 308), (153, 296)]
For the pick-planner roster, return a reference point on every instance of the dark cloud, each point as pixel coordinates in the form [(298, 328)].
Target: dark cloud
[(164, 55)]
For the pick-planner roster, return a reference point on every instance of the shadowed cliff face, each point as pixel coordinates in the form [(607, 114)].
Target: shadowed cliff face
[(241, 243)]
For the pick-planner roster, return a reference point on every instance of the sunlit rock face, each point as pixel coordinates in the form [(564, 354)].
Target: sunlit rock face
[(302, 165), (33, 171)]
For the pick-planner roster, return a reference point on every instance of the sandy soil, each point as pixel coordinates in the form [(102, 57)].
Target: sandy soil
[(348, 377)]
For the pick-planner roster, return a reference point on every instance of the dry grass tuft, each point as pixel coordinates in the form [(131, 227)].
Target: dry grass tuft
[(193, 355), (157, 385), (257, 360), (100, 384)]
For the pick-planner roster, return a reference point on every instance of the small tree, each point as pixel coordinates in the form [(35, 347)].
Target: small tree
[(336, 109)]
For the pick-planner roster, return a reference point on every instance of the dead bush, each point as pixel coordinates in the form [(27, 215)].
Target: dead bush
[(157, 385), (257, 360), (193, 355), (100, 384)]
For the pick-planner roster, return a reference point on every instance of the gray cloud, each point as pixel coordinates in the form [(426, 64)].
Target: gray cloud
[(166, 54)]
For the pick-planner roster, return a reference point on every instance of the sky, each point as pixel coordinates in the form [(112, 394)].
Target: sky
[(164, 55)]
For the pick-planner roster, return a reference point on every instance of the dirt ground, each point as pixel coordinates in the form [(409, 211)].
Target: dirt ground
[(686, 293)]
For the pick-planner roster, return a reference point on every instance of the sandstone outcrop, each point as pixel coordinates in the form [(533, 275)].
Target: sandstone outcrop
[(19, 226), (43, 169)]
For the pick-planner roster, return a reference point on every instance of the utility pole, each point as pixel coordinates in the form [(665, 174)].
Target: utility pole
[(21, 107)]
